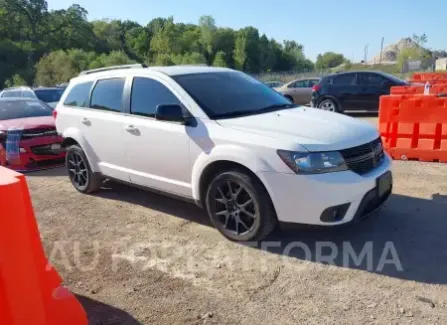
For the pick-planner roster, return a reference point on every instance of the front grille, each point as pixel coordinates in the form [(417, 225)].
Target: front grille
[(364, 158), (42, 132)]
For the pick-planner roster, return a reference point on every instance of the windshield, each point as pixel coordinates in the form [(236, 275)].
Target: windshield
[(49, 95), (231, 94), (10, 110), (395, 79)]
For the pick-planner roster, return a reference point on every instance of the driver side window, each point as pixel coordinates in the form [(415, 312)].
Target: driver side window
[(147, 94)]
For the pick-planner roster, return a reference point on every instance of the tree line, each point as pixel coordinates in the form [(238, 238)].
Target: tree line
[(46, 47)]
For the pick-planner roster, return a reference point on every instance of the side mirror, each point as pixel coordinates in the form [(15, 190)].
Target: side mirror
[(170, 113)]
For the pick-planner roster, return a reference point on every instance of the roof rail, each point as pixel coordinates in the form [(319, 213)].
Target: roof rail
[(193, 65), (114, 67)]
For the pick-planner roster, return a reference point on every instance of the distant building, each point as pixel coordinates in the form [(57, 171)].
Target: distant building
[(441, 64)]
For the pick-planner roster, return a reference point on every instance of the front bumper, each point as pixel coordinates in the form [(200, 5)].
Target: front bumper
[(304, 198), (38, 155)]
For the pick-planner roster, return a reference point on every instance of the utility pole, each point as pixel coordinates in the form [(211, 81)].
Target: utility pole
[(381, 50), (365, 58)]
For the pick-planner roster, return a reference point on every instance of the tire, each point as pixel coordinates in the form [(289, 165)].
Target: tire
[(77, 164), (259, 216), (328, 105)]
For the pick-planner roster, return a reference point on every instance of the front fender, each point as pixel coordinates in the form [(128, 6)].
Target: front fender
[(76, 135), (232, 153)]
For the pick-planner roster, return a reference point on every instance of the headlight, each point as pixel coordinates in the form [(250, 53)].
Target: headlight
[(313, 162)]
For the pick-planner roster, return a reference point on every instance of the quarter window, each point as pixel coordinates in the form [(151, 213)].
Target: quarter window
[(78, 95), (108, 95), (147, 94)]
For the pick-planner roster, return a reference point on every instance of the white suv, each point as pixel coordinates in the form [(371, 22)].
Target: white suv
[(225, 141)]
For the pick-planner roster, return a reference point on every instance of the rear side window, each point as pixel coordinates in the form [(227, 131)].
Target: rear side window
[(28, 94), (78, 95), (108, 95), (147, 94), (49, 95), (371, 79), (5, 94), (344, 79)]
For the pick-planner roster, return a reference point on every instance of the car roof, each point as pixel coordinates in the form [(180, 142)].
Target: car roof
[(18, 99), (303, 78), (170, 71), (179, 70), (46, 88), (356, 71)]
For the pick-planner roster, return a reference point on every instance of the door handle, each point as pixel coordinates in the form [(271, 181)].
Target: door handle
[(85, 121)]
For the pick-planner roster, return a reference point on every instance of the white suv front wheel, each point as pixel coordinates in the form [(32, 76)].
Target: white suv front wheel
[(240, 207), (79, 171)]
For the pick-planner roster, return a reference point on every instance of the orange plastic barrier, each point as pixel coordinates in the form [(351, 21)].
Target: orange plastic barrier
[(433, 77), (409, 90), (30, 290), (414, 127)]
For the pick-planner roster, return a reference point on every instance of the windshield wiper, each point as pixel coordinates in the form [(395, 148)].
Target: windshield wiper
[(266, 109), (276, 107)]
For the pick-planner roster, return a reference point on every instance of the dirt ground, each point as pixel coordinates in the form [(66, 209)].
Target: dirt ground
[(133, 257)]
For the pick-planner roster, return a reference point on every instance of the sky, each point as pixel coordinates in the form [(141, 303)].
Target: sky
[(343, 26)]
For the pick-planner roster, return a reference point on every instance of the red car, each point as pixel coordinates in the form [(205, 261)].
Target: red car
[(28, 136)]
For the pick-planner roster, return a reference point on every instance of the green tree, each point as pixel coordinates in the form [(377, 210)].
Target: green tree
[(219, 59), (108, 35), (54, 68), (114, 58), (240, 53), (246, 51), (208, 33), (329, 60), (420, 39), (16, 80), (225, 42), (51, 46)]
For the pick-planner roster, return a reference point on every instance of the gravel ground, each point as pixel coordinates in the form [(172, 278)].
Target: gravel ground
[(133, 257)]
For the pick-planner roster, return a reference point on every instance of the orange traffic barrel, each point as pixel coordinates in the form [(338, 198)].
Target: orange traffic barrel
[(30, 292)]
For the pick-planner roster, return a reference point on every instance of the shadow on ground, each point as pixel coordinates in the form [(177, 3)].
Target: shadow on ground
[(51, 172), (99, 313), (412, 228), (361, 114), (185, 210)]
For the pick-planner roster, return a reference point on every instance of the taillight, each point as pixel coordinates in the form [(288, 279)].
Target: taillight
[(316, 88), (54, 114)]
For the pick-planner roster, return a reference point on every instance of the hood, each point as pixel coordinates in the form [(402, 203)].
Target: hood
[(28, 123), (314, 129)]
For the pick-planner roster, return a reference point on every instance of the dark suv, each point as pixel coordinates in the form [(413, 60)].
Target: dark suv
[(356, 90)]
